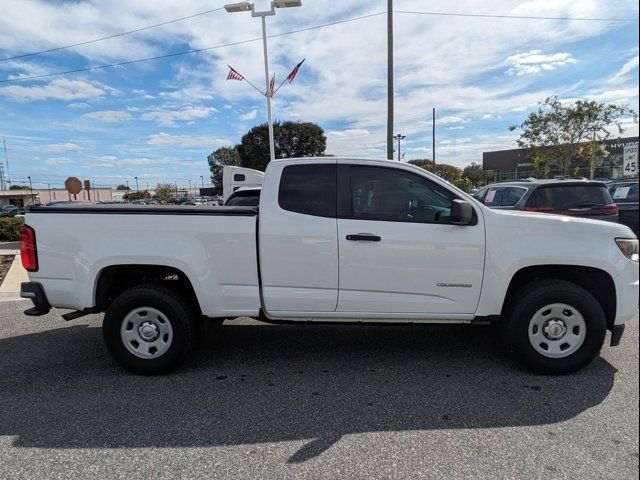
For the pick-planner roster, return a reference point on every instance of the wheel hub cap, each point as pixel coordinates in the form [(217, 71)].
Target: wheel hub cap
[(148, 331), (555, 329)]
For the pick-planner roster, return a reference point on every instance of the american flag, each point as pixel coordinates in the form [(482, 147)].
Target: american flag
[(272, 86), (294, 72), (233, 75)]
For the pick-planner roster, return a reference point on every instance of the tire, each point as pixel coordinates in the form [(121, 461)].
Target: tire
[(149, 329), (554, 327)]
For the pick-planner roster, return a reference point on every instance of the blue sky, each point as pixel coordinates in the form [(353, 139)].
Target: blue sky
[(158, 120)]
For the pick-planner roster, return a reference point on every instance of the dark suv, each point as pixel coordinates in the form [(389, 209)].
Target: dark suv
[(577, 198), (625, 195)]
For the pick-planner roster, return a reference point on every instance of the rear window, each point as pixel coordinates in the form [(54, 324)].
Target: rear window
[(493, 197), (625, 193), (309, 189), (572, 196)]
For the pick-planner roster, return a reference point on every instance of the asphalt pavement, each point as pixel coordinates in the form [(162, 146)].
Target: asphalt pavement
[(304, 401)]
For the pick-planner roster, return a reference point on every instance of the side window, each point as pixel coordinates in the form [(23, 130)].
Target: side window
[(512, 196), (493, 197), (309, 189), (238, 177), (397, 196)]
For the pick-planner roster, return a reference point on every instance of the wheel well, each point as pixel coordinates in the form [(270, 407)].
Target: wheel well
[(115, 279), (597, 282)]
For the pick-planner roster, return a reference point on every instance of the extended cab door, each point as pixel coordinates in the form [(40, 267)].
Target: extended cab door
[(297, 238), (399, 253)]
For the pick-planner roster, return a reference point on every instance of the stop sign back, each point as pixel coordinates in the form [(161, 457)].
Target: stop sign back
[(73, 185)]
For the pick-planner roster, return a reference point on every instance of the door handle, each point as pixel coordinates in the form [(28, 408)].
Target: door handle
[(364, 237)]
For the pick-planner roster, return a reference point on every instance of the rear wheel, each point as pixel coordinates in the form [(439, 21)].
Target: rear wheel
[(149, 329), (554, 326)]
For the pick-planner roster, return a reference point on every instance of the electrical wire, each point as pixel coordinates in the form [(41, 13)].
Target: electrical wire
[(121, 34), (517, 17), (187, 52)]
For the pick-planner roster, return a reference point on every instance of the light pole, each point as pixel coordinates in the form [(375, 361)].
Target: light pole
[(189, 194), (33, 200), (399, 137), (202, 180), (137, 188), (250, 7)]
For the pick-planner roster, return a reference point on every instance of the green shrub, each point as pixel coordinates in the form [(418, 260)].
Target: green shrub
[(10, 229)]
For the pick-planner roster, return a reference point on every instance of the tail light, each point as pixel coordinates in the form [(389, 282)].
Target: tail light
[(538, 209), (28, 250)]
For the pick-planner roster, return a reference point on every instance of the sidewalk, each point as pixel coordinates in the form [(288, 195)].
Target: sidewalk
[(10, 288)]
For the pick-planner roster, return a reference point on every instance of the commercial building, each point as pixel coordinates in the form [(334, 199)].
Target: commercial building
[(615, 162), (22, 198)]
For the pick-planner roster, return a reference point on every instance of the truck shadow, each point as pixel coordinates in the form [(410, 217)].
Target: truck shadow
[(261, 383)]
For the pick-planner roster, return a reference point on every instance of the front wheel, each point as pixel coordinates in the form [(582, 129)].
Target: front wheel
[(148, 329), (554, 326)]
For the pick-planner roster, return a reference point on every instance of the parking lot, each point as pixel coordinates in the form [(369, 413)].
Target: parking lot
[(265, 401)]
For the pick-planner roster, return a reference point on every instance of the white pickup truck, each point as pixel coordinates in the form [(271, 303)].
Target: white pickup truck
[(335, 240)]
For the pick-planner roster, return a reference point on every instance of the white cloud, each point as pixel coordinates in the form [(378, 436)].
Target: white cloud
[(625, 70), (58, 89), (109, 116), (168, 117), (79, 105), (58, 161), (186, 141), (534, 61), (64, 147), (249, 116)]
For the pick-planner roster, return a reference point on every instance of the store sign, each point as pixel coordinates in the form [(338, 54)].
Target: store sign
[(630, 161)]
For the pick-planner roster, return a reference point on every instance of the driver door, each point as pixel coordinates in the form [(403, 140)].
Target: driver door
[(398, 252)]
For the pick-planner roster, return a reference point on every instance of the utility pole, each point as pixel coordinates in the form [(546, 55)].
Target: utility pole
[(389, 79), (3, 186), (6, 160), (433, 138)]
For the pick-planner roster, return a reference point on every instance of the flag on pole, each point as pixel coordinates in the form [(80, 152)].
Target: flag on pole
[(234, 75), (272, 86), (294, 72)]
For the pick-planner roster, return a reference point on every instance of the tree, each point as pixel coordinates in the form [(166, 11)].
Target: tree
[(449, 172), (136, 195), (475, 174), (164, 191), (556, 130), (122, 187), (19, 187), (465, 184), (291, 139), (218, 159)]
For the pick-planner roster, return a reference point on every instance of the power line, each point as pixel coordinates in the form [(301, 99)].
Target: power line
[(517, 17), (187, 52), (87, 42)]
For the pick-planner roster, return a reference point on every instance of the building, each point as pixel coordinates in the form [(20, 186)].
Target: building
[(22, 198), (515, 164)]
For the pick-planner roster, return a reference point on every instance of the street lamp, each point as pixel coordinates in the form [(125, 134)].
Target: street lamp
[(250, 7), (399, 137), (137, 188), (33, 199)]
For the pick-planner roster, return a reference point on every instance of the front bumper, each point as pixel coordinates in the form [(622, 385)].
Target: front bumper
[(35, 292)]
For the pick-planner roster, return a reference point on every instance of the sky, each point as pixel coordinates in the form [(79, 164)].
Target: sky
[(158, 120)]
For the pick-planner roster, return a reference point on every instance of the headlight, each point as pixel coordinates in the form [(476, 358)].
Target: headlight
[(629, 246)]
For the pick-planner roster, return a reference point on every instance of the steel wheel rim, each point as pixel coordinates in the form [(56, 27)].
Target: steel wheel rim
[(557, 330), (146, 332)]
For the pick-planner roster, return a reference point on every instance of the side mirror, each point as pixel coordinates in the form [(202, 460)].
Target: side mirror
[(461, 212)]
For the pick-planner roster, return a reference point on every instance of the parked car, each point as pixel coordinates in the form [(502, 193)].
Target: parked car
[(576, 198), (8, 211), (244, 197), (625, 195), (335, 240)]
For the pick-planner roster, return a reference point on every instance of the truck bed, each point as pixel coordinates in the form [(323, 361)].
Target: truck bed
[(213, 247)]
